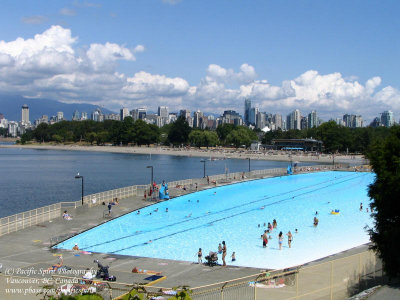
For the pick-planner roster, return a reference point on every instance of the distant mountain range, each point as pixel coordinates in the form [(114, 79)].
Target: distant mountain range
[(10, 107)]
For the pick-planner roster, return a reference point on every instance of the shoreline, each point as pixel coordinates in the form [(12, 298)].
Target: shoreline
[(272, 155)]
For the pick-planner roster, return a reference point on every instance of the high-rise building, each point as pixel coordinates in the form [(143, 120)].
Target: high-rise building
[(303, 123), (43, 119), (124, 112), (376, 122), (75, 115), (197, 119), (115, 117), (163, 114), (253, 115), (60, 116), (13, 128), (352, 121), (387, 118), (277, 120), (163, 111), (96, 115), (25, 115), (247, 107), (231, 117), (261, 120), (83, 116), (139, 113), (293, 120), (185, 113), (1, 116), (312, 119)]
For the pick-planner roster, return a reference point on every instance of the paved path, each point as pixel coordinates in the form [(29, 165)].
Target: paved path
[(27, 253)]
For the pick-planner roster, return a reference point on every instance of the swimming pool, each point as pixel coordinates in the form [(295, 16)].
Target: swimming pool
[(232, 213)]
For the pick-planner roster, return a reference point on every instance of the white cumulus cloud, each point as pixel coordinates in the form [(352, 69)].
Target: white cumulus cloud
[(52, 65)]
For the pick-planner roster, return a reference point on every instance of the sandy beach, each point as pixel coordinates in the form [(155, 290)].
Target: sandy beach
[(218, 153)]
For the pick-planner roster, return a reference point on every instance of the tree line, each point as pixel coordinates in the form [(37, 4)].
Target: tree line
[(335, 138)]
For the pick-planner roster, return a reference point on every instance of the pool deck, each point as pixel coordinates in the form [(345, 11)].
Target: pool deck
[(29, 249)]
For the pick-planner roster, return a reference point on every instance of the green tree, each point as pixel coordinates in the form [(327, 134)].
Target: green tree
[(91, 137), (102, 137), (384, 192), (210, 139), (41, 133), (239, 138), (144, 133), (57, 138), (196, 137), (224, 130), (179, 132)]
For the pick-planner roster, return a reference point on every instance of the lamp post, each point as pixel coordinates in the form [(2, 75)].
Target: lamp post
[(204, 167), (77, 176), (151, 173), (249, 163)]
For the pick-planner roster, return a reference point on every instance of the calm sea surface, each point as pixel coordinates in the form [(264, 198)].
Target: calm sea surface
[(34, 178)]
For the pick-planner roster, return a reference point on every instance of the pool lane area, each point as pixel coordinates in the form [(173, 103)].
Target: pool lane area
[(236, 214)]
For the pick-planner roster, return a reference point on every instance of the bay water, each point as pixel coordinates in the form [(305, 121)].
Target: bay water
[(31, 178)]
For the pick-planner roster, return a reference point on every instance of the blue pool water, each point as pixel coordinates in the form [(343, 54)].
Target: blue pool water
[(232, 213)]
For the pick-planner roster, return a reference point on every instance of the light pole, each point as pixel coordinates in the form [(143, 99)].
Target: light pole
[(204, 167), (77, 176), (249, 163), (151, 173)]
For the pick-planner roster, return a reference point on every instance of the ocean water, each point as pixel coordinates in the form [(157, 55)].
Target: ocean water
[(236, 214), (33, 178)]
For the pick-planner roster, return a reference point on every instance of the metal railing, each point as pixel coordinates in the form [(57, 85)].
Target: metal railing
[(29, 218), (336, 279), (33, 217)]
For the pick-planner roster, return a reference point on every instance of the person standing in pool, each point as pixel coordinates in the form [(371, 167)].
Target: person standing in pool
[(315, 221), (290, 238), (280, 240), (223, 253), (361, 206), (219, 248), (265, 239), (274, 224)]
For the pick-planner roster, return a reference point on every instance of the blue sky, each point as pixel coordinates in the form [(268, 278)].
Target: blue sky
[(332, 56)]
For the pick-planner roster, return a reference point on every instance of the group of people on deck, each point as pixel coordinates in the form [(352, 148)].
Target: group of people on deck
[(221, 250)]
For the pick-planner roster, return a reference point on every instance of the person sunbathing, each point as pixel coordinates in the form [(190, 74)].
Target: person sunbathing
[(55, 267), (143, 271), (66, 216)]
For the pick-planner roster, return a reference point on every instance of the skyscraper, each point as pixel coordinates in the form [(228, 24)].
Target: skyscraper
[(293, 120), (163, 111), (75, 116), (124, 112), (252, 116), (197, 119), (277, 119), (387, 118), (60, 116), (25, 115), (247, 107), (185, 113), (312, 119)]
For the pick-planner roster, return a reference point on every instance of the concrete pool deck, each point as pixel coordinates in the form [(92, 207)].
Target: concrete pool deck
[(27, 253)]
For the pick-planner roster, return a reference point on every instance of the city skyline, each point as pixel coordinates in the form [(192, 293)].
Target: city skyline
[(334, 59), (251, 117)]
